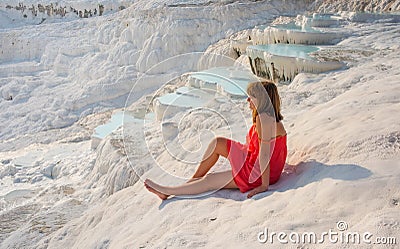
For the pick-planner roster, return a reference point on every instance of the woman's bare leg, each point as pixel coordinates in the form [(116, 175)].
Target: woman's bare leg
[(212, 181), (216, 148)]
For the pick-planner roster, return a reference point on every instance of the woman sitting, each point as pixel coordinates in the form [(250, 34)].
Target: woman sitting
[(255, 165)]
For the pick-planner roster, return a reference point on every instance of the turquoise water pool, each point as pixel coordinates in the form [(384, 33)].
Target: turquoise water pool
[(117, 120), (288, 50), (232, 81), (181, 100)]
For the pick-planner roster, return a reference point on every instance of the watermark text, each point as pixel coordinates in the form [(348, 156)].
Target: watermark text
[(333, 236)]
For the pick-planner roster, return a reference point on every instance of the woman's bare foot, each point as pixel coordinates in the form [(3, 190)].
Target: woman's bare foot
[(151, 186)]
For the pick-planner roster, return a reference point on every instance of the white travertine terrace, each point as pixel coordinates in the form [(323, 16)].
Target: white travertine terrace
[(228, 81), (321, 20), (202, 87), (282, 62), (301, 31), (292, 34), (184, 98)]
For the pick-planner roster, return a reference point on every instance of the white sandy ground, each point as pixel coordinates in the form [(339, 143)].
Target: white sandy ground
[(343, 136)]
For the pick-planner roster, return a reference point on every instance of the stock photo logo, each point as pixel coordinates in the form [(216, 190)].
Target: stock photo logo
[(341, 234)]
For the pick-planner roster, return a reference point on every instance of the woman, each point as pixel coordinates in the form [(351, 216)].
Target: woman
[(255, 165)]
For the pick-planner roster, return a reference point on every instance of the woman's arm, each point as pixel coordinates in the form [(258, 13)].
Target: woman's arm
[(265, 128)]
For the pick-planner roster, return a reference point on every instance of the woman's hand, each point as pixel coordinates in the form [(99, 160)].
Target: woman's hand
[(257, 190)]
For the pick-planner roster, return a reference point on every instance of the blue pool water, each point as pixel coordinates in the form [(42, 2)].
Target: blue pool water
[(232, 81), (117, 120), (181, 100), (288, 50)]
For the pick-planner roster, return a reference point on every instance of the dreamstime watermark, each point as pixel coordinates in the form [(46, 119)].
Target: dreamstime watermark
[(341, 236)]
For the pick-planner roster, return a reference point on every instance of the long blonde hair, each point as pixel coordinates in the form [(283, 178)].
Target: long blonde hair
[(268, 99)]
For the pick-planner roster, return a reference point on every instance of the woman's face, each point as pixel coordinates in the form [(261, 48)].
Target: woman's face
[(252, 102)]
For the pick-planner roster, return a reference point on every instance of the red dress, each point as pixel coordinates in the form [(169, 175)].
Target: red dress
[(244, 160)]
